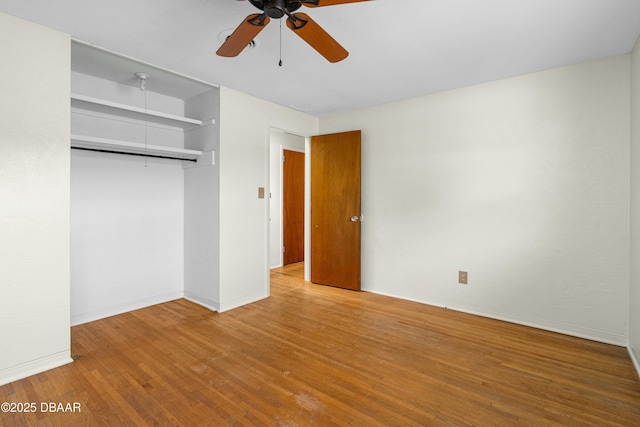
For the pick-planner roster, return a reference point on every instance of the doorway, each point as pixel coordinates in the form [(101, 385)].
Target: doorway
[(341, 247), (281, 142)]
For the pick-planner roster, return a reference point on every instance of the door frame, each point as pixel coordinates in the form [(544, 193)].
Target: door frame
[(307, 202), (307, 197)]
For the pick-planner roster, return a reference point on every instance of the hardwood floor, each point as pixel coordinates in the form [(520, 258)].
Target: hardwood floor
[(318, 356)]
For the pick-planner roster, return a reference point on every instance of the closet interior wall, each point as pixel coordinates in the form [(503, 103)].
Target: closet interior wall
[(144, 230)]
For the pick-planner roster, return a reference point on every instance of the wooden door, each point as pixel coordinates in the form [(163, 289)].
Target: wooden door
[(293, 207), (335, 210)]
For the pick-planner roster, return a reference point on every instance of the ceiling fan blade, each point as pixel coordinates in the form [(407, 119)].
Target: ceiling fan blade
[(242, 36), (316, 37), (320, 3)]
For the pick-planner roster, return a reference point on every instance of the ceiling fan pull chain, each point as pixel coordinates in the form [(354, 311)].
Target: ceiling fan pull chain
[(280, 63)]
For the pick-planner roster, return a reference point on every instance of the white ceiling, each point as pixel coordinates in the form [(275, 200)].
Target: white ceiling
[(398, 48)]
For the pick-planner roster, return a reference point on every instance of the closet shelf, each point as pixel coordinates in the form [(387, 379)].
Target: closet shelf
[(104, 106), (95, 143)]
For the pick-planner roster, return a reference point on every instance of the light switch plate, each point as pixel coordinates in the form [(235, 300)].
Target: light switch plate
[(260, 192)]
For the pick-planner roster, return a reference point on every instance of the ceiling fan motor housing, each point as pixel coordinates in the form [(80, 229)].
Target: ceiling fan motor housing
[(301, 24), (276, 9)]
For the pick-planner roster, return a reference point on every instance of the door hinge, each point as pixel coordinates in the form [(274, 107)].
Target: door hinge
[(283, 249), (283, 159)]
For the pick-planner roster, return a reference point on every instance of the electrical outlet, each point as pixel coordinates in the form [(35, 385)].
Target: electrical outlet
[(462, 277)]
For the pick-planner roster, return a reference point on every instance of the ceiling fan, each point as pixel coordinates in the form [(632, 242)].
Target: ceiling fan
[(299, 23)]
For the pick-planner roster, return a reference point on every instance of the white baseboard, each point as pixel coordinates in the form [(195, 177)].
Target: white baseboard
[(635, 360), (207, 303), (576, 331), (80, 318), (242, 301), (34, 367)]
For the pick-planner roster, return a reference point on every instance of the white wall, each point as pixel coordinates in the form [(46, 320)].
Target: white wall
[(634, 297), (523, 182), (245, 123), (34, 199), (127, 233), (201, 222), (279, 141), (201, 251)]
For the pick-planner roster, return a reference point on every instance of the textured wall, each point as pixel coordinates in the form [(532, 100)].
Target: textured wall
[(127, 233), (34, 199), (245, 123), (634, 297), (522, 182)]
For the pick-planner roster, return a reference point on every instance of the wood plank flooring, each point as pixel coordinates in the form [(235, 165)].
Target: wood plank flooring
[(318, 356)]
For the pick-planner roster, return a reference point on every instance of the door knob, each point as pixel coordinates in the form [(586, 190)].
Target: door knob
[(355, 218)]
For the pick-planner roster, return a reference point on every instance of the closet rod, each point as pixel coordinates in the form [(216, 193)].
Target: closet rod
[(133, 154)]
